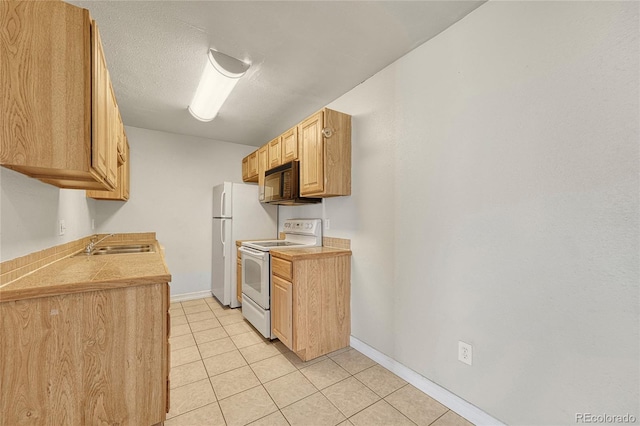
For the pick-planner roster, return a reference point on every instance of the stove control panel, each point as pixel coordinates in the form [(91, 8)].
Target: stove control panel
[(303, 226)]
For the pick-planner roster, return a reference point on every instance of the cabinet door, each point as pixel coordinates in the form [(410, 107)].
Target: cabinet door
[(289, 143), (282, 310), (263, 158), (100, 107), (245, 169), (252, 166), (113, 133), (311, 155), (275, 153)]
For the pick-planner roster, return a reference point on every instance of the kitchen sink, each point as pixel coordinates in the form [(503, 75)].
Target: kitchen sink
[(122, 249)]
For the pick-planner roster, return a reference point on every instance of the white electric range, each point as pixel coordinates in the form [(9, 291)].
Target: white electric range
[(256, 269)]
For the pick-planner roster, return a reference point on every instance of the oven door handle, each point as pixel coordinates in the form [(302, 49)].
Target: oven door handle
[(253, 252)]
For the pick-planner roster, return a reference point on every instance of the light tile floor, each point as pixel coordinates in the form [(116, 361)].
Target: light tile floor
[(223, 372)]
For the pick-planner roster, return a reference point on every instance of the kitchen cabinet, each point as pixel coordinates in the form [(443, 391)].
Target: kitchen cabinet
[(121, 192), (310, 301), (250, 167), (275, 153), (263, 161), (325, 154), (56, 99), (96, 357), (239, 277), (289, 142)]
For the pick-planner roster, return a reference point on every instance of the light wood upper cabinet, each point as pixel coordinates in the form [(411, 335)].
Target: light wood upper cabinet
[(289, 143), (54, 96), (250, 167), (310, 303), (275, 153), (325, 154), (263, 161), (123, 180)]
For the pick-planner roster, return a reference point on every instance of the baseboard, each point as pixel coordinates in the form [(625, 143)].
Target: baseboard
[(440, 394), (190, 296)]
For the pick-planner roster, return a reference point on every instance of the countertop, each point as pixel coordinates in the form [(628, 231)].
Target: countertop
[(309, 253), (76, 274)]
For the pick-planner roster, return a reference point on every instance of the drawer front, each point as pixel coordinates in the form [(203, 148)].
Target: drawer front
[(282, 268)]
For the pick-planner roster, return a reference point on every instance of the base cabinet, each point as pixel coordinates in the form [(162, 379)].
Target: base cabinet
[(311, 303), (239, 277), (99, 357)]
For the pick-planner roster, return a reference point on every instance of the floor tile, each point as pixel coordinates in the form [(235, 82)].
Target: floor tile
[(209, 415), (216, 347), (181, 342), (173, 305), (380, 380), (272, 368), (180, 330), (209, 335), (246, 339), (184, 356), (273, 419), (380, 414), (247, 406), (187, 373), (452, 419), (238, 328), (190, 397), (415, 404), (258, 352), (313, 410), (204, 324), (180, 320), (346, 423), (202, 307), (288, 389), (324, 373), (230, 319), (233, 382), (350, 396), (176, 312), (224, 362), (298, 363), (194, 302), (200, 316), (353, 361)]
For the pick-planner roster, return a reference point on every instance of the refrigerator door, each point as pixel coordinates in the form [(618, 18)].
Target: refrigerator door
[(223, 247), (222, 199)]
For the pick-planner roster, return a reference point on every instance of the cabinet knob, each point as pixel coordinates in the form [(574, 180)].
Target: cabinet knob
[(327, 132)]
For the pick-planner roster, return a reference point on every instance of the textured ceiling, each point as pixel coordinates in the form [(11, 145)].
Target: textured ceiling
[(304, 54)]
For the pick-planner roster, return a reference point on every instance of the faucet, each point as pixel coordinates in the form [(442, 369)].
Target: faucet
[(93, 243)]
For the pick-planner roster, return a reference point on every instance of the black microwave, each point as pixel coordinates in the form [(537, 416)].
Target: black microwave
[(282, 186)]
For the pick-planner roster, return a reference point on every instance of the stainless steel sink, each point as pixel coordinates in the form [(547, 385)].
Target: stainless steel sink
[(124, 249)]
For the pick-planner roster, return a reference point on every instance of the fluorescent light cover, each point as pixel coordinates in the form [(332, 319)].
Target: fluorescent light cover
[(219, 77)]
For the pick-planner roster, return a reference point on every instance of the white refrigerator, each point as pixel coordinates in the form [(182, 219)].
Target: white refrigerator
[(237, 215)]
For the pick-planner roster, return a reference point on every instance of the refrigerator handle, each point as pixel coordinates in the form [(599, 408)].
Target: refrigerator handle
[(222, 199), (222, 226)]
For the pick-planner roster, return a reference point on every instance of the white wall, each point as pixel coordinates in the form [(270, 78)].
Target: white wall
[(495, 201), (30, 211), (172, 179)]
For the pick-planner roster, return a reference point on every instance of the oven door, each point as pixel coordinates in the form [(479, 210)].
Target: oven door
[(256, 275)]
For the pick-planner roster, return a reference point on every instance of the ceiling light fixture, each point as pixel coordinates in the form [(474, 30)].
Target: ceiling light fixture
[(219, 77)]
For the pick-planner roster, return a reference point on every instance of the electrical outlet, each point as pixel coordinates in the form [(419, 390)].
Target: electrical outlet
[(93, 224), (61, 227), (327, 224), (465, 352)]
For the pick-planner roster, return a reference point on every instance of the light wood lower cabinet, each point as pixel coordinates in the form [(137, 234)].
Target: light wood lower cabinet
[(311, 303), (99, 357)]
